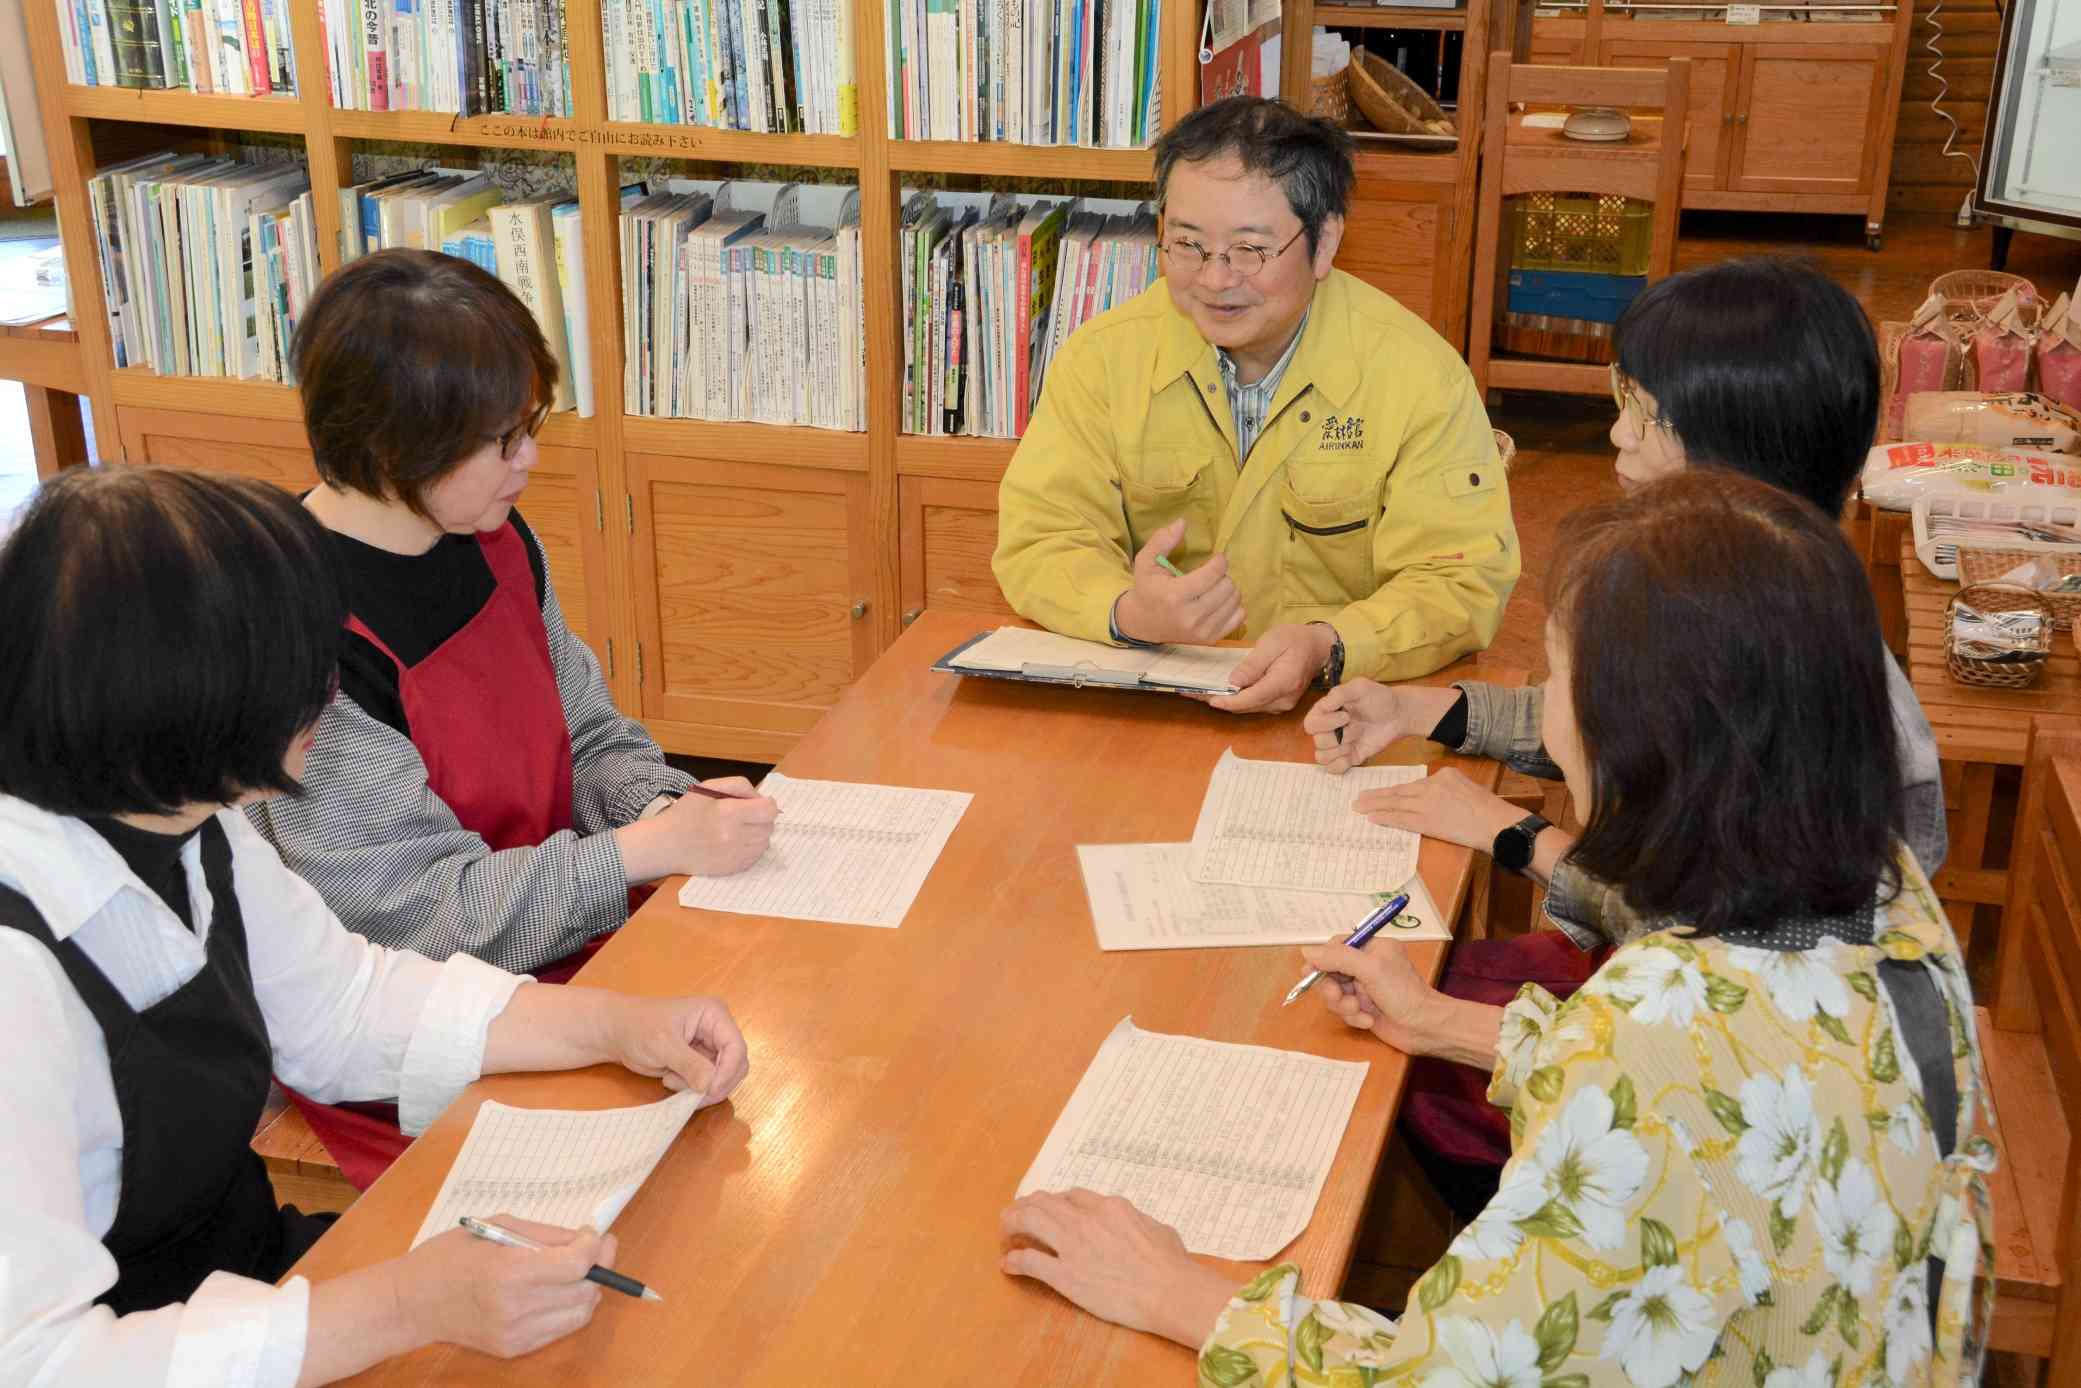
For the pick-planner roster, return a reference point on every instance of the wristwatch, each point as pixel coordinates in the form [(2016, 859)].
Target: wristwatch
[(1332, 673), (1513, 847)]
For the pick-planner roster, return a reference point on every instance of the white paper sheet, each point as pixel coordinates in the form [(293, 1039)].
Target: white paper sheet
[(1013, 649), (572, 1167), (1228, 1144), (1142, 897), (842, 852), (1290, 824)]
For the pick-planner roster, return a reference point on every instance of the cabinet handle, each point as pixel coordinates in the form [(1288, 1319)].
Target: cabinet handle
[(913, 615), (859, 609), (1742, 119), (1727, 119)]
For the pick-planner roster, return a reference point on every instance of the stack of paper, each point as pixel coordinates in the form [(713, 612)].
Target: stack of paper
[(1046, 655), (1278, 857)]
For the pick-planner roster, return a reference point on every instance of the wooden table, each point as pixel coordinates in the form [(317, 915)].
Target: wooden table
[(1978, 730), (837, 1220), (45, 358)]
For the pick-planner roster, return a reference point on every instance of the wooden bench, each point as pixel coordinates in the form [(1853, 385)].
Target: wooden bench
[(302, 1172), (2032, 1042)]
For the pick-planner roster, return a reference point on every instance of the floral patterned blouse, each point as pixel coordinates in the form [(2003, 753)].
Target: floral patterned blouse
[(1724, 1174)]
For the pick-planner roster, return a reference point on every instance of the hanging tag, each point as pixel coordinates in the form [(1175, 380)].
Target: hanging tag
[(1744, 14)]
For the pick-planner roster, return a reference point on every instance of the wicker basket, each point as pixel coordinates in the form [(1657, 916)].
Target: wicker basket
[(1506, 448), (1997, 674), (1391, 102), (1332, 97), (1970, 295), (1978, 565)]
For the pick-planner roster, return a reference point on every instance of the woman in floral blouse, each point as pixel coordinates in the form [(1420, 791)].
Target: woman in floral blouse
[(1729, 1168)]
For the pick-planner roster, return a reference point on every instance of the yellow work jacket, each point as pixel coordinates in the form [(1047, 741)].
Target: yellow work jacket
[(1372, 500)]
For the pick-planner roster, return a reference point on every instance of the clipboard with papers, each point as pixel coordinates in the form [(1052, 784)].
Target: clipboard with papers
[(1045, 657)]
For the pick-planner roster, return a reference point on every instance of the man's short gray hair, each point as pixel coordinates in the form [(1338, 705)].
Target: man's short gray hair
[(1309, 158)]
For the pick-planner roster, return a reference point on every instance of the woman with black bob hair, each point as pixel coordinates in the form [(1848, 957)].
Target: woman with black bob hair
[(1764, 367), (170, 643), (1748, 1140)]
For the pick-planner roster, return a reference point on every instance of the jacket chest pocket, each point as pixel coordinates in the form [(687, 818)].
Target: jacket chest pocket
[(1329, 547), (1166, 487)]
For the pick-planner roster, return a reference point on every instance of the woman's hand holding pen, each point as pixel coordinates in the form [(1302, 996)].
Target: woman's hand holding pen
[(1376, 990), (696, 834), (507, 1302), (1370, 716)]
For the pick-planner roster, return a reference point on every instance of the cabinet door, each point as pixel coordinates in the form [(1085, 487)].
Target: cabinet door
[(751, 594), (945, 537), (1398, 238), (1557, 42), (1804, 119), (1715, 73), (273, 450), (562, 506)]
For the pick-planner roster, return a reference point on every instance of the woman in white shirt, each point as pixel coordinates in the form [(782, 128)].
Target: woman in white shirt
[(170, 642)]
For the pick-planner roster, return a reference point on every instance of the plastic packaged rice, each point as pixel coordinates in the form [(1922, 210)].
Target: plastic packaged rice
[(1895, 474)]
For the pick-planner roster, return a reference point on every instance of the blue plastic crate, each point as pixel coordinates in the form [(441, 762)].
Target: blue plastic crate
[(1573, 293)]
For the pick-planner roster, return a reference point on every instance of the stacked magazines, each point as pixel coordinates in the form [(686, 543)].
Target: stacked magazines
[(742, 301), (206, 264), (993, 285), (229, 47), (477, 57), (768, 66), (1038, 72)]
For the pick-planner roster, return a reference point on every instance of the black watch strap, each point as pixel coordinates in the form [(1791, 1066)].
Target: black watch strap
[(1332, 673), (1513, 847)]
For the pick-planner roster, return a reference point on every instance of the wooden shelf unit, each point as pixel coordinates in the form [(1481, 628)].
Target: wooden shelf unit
[(1411, 227), (734, 578), (1786, 115)]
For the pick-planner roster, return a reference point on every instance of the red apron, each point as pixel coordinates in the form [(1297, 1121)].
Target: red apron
[(1459, 1138), (488, 722)]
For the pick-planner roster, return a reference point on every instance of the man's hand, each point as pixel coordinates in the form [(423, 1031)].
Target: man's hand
[(1443, 805), (1278, 669), (1370, 716), (1196, 607)]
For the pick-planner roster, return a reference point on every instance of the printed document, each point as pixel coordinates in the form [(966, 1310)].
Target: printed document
[(1228, 1144), (1290, 824), (1016, 650), (575, 1168), (843, 852), (1143, 898)]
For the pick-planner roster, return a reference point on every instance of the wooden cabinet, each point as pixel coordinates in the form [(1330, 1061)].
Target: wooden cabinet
[(1804, 117), (273, 450), (752, 586), (1785, 116), (1398, 238), (946, 533), (1715, 77)]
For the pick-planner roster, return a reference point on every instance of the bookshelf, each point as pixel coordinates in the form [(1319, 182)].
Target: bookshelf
[(733, 578)]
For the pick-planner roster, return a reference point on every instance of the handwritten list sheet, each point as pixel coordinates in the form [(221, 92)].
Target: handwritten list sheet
[(1142, 897), (1229, 1144), (1290, 824), (571, 1167), (843, 852)]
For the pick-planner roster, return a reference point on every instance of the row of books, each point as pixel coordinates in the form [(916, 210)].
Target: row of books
[(1042, 72), (742, 301), (206, 264), (534, 246), (768, 66), (476, 57), (234, 47), (993, 285)]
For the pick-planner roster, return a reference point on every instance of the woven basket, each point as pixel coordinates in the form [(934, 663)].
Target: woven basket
[(1997, 674), (1978, 565), (1970, 295), (1332, 97), (1391, 102), (1506, 447)]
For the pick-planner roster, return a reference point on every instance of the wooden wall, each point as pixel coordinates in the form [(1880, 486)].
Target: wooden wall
[(1923, 179)]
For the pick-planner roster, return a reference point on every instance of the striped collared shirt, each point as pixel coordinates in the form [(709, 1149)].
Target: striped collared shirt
[(1250, 406)]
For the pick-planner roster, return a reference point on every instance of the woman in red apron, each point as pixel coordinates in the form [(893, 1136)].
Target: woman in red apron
[(1765, 367), (170, 641), (474, 788)]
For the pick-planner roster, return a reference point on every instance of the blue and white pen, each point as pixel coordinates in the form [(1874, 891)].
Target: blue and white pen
[(1367, 929)]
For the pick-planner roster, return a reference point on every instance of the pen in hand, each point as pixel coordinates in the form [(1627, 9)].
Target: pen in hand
[(713, 794), (606, 1277), (1368, 928)]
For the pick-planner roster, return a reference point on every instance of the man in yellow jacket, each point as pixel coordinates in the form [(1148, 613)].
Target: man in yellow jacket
[(1262, 445)]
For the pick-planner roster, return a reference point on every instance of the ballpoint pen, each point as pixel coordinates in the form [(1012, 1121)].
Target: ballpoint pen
[(606, 1277), (1168, 566), (1368, 928)]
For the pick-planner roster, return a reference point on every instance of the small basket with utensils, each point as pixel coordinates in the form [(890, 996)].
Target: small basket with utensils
[(1997, 635)]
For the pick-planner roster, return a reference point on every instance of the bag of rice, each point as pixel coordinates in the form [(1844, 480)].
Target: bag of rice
[(2015, 420), (1895, 474)]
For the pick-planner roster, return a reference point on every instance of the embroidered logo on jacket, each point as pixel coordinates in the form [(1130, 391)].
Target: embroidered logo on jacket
[(1343, 435)]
